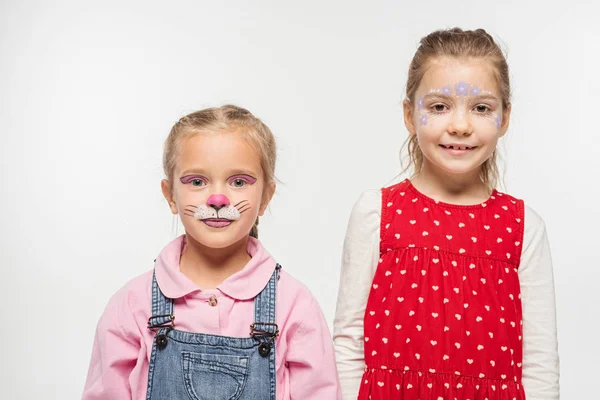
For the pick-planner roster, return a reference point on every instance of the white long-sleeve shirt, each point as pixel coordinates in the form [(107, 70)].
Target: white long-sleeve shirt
[(359, 263)]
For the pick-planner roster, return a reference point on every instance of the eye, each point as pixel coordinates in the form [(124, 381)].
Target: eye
[(194, 180), (439, 107), (482, 108), (238, 183)]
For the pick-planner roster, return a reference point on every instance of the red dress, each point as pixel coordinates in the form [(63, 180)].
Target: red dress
[(444, 319)]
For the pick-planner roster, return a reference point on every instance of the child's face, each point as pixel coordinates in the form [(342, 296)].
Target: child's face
[(218, 188), (457, 115)]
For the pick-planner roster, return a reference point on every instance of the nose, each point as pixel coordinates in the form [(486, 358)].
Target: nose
[(460, 124), (217, 201)]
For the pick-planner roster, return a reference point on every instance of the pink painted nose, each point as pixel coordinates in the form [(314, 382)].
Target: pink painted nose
[(217, 201)]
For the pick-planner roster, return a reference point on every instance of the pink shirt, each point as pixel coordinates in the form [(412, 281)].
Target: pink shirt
[(304, 353)]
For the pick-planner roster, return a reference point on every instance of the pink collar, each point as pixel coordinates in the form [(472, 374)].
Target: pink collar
[(243, 285)]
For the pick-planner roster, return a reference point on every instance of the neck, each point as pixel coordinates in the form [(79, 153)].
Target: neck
[(463, 189), (209, 267)]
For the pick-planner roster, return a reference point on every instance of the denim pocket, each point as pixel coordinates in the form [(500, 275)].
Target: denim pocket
[(214, 376)]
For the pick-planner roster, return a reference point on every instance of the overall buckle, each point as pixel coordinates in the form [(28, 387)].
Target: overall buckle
[(265, 338)]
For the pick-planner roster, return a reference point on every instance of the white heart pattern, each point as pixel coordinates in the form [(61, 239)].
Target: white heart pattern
[(489, 243)]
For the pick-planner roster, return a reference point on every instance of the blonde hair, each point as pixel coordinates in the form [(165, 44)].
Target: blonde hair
[(226, 118), (457, 43)]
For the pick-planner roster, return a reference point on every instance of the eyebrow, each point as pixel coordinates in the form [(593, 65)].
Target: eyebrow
[(193, 171), (242, 172), (479, 97), (451, 98), (234, 172), (482, 97)]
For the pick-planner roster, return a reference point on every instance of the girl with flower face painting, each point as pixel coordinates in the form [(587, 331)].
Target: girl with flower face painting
[(216, 318), (447, 286)]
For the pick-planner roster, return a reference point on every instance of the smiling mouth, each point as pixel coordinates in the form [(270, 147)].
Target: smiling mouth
[(458, 147), (217, 222)]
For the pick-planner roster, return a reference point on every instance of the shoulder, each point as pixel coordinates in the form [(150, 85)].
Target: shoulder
[(365, 218), (507, 202), (296, 305), (137, 290), (367, 208), (294, 296), (533, 220), (534, 234), (371, 200), (397, 189), (533, 224), (368, 200), (129, 307)]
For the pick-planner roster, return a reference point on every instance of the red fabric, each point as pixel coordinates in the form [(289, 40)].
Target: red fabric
[(444, 317)]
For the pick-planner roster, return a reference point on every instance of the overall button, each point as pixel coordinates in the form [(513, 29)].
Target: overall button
[(161, 341), (264, 349), (212, 301)]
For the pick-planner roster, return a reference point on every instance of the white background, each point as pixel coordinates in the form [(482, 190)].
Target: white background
[(88, 93)]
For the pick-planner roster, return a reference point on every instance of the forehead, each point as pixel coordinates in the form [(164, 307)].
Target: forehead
[(450, 71), (218, 151)]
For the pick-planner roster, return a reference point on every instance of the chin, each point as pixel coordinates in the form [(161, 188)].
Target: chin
[(460, 171), (216, 240), (458, 168)]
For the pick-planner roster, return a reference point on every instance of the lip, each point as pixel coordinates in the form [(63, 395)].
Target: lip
[(457, 149), (217, 222)]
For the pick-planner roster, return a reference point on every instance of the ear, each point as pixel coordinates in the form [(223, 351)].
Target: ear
[(408, 117), (505, 119), (266, 198), (168, 193)]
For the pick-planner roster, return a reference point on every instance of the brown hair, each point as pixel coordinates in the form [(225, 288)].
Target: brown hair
[(459, 44), (225, 118)]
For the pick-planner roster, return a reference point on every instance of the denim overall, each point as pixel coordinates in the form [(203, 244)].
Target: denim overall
[(197, 366)]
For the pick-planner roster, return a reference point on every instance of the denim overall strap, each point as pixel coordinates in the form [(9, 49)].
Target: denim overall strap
[(265, 329), (161, 322), (162, 307)]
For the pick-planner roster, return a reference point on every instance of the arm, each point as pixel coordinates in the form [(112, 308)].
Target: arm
[(310, 359), (114, 354), (359, 262), (540, 348)]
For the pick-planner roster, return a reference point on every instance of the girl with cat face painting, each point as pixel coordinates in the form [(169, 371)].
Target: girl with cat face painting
[(216, 318), (447, 286)]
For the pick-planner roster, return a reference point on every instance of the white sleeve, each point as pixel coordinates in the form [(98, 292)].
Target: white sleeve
[(359, 262), (540, 347)]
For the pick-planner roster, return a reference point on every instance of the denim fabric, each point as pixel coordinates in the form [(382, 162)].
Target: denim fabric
[(196, 366)]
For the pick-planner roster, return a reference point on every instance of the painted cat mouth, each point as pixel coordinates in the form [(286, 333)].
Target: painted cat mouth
[(217, 222)]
